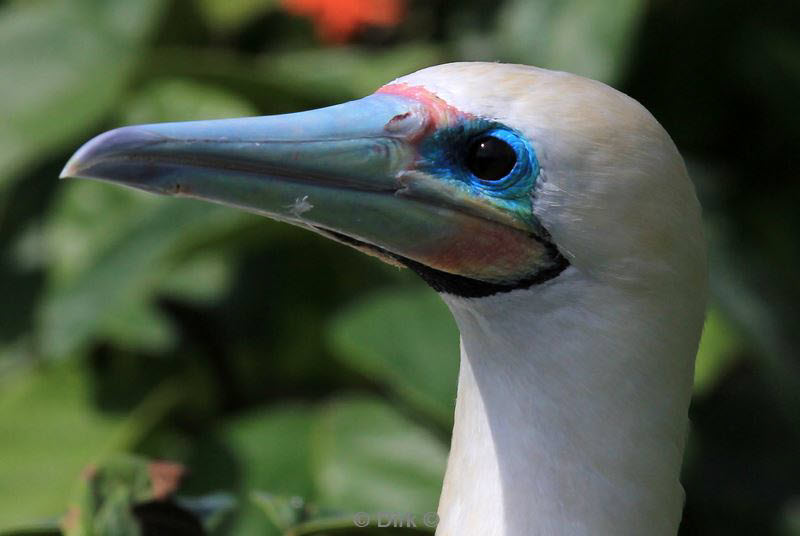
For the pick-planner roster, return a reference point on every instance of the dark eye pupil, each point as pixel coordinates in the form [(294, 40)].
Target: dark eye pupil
[(490, 158)]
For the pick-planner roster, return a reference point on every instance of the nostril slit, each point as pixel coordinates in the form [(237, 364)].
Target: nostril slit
[(394, 122)]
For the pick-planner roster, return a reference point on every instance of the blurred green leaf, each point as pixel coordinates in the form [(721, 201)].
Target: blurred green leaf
[(56, 432), (213, 510), (15, 356), (87, 219), (183, 100), (251, 518), (350, 455), (126, 276), (128, 495), (273, 447), (284, 512), (407, 339), (63, 64), (227, 14), (760, 311), (140, 326), (581, 36), (791, 517), (370, 458), (200, 279), (720, 345), (41, 529), (51, 433), (338, 525), (107, 492), (282, 81), (344, 72)]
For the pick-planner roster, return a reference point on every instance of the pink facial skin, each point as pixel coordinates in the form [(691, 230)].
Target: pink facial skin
[(439, 113), (487, 251), (478, 247)]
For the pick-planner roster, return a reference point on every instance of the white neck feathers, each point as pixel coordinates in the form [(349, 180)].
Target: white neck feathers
[(572, 411)]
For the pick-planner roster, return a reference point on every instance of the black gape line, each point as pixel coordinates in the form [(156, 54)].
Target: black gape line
[(466, 287)]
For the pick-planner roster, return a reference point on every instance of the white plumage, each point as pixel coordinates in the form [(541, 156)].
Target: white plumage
[(573, 395)]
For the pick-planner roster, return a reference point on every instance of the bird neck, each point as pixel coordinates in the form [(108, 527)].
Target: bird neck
[(571, 412)]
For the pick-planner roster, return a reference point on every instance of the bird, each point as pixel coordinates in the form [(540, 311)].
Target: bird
[(554, 216)]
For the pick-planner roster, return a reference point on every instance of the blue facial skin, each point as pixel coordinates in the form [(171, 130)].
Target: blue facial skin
[(444, 153)]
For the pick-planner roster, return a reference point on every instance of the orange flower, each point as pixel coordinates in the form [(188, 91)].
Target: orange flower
[(337, 20)]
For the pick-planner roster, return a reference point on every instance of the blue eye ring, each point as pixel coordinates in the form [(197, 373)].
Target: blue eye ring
[(526, 167)]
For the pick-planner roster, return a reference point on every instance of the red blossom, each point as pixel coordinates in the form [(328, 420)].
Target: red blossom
[(337, 20)]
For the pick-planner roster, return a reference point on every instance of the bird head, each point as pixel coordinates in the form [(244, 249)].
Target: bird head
[(482, 177)]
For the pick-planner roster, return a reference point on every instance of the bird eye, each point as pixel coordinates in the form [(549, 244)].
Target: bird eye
[(489, 158)]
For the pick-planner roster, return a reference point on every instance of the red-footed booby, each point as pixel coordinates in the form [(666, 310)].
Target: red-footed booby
[(555, 217)]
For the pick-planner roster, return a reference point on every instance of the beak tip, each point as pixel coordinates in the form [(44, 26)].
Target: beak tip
[(70, 170), (102, 146)]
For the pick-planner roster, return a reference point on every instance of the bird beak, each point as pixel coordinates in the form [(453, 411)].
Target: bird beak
[(346, 171)]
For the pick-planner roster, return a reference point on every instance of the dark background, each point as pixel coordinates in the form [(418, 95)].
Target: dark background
[(274, 364)]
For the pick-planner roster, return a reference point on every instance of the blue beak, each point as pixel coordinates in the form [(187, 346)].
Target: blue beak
[(350, 172)]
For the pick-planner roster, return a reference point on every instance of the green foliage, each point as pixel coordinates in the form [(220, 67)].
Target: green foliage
[(407, 339), (183, 100), (297, 381), (226, 16), (106, 496), (370, 458), (65, 65), (54, 431), (322, 464), (112, 296), (586, 37), (720, 346)]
